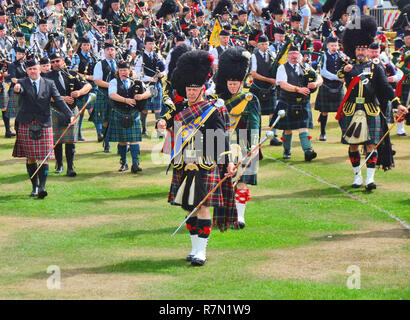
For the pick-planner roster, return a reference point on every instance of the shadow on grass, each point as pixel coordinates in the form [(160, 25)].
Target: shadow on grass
[(154, 266), (7, 198), (397, 233), (143, 196), (313, 193), (14, 178), (136, 233)]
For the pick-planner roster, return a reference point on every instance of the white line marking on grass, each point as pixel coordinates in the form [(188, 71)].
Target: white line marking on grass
[(403, 223)]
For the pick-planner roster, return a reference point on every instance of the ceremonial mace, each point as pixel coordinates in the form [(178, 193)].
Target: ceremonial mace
[(91, 98), (269, 133), (385, 135)]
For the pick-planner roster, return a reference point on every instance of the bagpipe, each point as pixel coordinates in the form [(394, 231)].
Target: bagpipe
[(282, 54)]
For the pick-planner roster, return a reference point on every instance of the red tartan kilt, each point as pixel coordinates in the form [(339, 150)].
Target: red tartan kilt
[(210, 178), (33, 149)]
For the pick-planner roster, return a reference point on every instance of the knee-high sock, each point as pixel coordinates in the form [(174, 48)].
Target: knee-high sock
[(354, 157), (143, 118), (241, 198), (135, 151), (58, 151), (42, 175), (305, 141), (80, 124), (287, 142), (323, 122), (192, 227), (371, 167), (204, 230), (6, 121), (31, 168), (122, 149), (69, 154)]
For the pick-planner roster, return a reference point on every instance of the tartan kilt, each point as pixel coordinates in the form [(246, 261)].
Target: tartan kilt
[(326, 102), (267, 106), (25, 147), (373, 123), (100, 106), (227, 216), (71, 135), (13, 105), (209, 177), (404, 94), (117, 133), (290, 123), (4, 100), (155, 104)]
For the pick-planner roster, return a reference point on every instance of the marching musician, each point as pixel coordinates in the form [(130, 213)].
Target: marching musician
[(264, 83), (195, 165), (29, 26), (404, 66), (128, 97), (39, 39), (294, 98), (71, 87), (20, 43), (150, 68), (224, 38), (331, 93), (245, 118), (359, 113), (97, 36), (45, 66), (104, 72)]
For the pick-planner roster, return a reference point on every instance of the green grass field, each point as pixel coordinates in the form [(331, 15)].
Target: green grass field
[(110, 232)]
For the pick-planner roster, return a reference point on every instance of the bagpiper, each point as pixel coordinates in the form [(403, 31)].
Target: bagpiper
[(359, 112), (194, 157), (71, 87), (128, 97), (245, 118)]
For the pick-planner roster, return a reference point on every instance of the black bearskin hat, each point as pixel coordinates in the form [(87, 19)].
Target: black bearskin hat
[(403, 19), (329, 5), (167, 7), (222, 7), (232, 65), (178, 51), (362, 36), (193, 69), (402, 3), (341, 7), (272, 8)]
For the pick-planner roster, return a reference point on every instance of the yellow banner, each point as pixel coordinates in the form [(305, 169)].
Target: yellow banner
[(284, 58), (214, 39)]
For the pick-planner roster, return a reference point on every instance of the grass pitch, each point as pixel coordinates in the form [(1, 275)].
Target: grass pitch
[(110, 232)]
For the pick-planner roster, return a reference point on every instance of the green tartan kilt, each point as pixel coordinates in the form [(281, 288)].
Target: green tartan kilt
[(210, 178), (155, 103), (328, 102), (373, 123), (13, 106), (71, 135), (267, 106), (100, 106), (288, 122), (4, 100), (117, 133)]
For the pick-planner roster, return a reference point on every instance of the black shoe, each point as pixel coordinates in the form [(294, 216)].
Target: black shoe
[(310, 155), (197, 262), (286, 155), (356, 186), (241, 225), (100, 138), (123, 168), (275, 142), (370, 186), (144, 134), (59, 169), (189, 257), (81, 138), (71, 173), (107, 149), (402, 134), (10, 134), (42, 193), (34, 192), (136, 168), (322, 137)]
